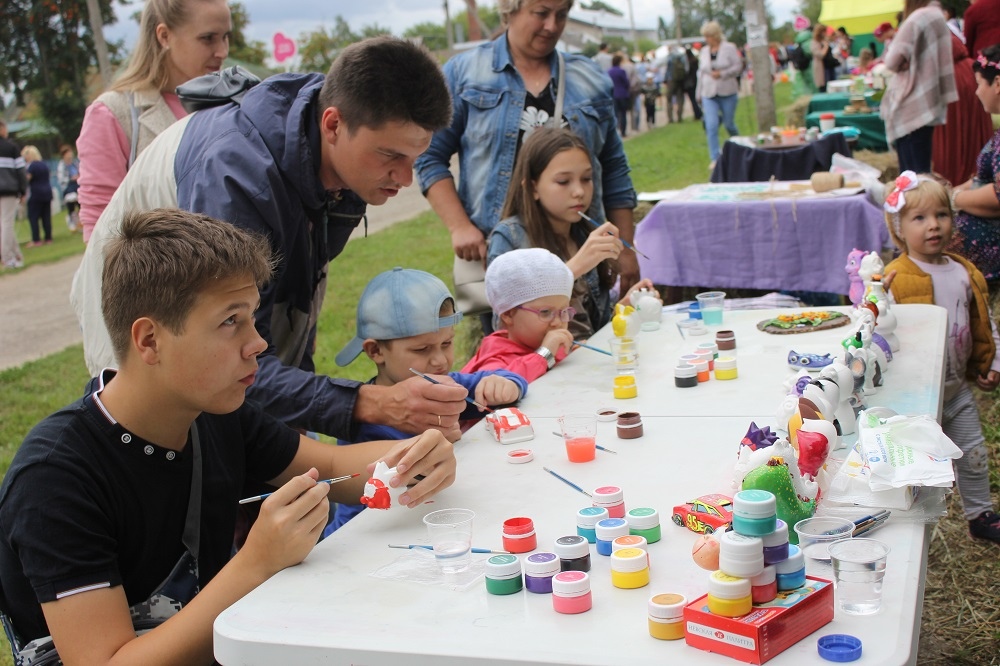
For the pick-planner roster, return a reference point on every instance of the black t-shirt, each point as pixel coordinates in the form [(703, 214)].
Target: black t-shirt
[(536, 112), (87, 504)]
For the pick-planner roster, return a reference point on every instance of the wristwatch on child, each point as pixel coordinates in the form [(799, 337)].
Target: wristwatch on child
[(550, 359)]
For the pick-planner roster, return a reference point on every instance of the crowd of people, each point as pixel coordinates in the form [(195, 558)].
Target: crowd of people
[(209, 237)]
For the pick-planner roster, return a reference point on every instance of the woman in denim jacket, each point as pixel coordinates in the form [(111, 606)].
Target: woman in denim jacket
[(501, 91)]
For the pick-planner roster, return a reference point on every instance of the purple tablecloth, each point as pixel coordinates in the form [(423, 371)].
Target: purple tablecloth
[(794, 244)]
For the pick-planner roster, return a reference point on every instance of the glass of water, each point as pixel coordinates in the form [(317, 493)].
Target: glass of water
[(858, 571), (450, 532)]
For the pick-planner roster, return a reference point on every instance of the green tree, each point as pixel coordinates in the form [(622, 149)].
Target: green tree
[(250, 51), (811, 9), (598, 6), (319, 48), (374, 30), (46, 52), (432, 35), (727, 13)]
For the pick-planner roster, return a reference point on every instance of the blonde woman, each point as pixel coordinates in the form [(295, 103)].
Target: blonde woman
[(39, 196), (820, 47), (178, 41), (719, 65)]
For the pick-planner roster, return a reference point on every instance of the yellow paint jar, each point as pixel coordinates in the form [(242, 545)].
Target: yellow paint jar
[(729, 596), (629, 568), (666, 616), (725, 367), (625, 387)]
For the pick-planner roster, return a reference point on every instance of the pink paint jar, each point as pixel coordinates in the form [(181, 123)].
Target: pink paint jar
[(706, 355), (571, 592), (519, 535), (611, 498), (764, 586)]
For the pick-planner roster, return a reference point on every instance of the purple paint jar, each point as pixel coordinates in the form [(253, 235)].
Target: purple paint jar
[(539, 568), (776, 544)]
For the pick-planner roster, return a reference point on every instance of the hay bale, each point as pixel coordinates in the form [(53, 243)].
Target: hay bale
[(886, 163)]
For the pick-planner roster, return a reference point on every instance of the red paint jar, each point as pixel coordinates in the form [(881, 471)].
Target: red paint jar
[(519, 535), (764, 586), (611, 498), (571, 592)]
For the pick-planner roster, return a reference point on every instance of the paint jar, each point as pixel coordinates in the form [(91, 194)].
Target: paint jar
[(791, 573), (644, 522), (520, 456), (607, 414), (611, 498), (666, 616), (726, 340), (629, 568), (625, 387), (754, 512), (629, 425), (706, 355), (725, 368), (586, 519), (539, 568), (628, 541), (503, 574), (694, 310), (764, 586), (739, 555), (701, 367), (711, 346), (519, 535), (685, 376), (607, 531), (729, 596), (776, 544), (690, 359), (571, 592), (573, 552), (827, 121)]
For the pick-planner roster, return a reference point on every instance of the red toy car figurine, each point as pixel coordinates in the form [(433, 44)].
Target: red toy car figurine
[(705, 514)]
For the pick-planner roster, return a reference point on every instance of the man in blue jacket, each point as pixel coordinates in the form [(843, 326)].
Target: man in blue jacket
[(297, 160)]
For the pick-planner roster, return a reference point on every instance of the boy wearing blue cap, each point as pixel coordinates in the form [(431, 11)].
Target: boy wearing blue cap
[(406, 320)]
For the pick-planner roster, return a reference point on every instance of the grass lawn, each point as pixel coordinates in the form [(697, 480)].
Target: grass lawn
[(961, 619)]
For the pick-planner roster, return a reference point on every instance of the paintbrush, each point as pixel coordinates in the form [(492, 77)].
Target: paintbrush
[(411, 546), (592, 348), (467, 398), (258, 498), (630, 246), (597, 446), (568, 482)]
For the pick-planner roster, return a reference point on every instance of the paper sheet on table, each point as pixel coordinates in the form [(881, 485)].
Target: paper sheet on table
[(419, 566)]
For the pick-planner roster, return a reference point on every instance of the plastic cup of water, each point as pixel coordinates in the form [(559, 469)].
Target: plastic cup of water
[(711, 304), (858, 571), (624, 353), (450, 532), (816, 535), (579, 431)]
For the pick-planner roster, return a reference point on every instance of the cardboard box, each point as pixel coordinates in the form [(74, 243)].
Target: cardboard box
[(767, 630)]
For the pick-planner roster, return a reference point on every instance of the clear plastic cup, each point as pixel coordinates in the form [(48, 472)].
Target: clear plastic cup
[(711, 304), (579, 431), (623, 351), (816, 534), (450, 532), (858, 571)]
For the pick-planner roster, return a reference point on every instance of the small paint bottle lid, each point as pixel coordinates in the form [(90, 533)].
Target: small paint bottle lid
[(690, 359), (520, 456), (701, 365), (724, 586), (503, 566), (711, 346), (697, 328), (839, 647), (765, 577), (629, 541), (607, 414), (605, 495), (642, 518), (735, 545), (794, 562), (571, 583), (667, 606), (588, 516), (725, 363), (778, 537), (754, 504), (541, 564), (610, 528), (572, 547), (704, 354), (629, 559), (684, 370)]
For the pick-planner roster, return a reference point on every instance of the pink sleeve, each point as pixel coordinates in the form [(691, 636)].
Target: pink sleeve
[(104, 150)]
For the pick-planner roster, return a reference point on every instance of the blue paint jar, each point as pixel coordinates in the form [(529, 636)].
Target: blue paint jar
[(791, 573), (539, 568), (776, 544), (694, 311), (587, 518), (608, 530), (754, 512)]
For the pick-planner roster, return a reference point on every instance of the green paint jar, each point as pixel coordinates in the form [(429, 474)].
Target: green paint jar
[(644, 522), (503, 574)]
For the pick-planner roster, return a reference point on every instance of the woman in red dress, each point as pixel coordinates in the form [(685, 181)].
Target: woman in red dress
[(957, 143)]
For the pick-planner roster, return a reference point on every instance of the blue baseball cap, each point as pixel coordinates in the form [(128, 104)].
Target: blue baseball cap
[(398, 304)]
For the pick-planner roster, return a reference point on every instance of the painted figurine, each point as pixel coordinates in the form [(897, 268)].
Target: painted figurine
[(378, 493), (509, 425), (776, 477), (857, 290), (871, 265), (811, 362)]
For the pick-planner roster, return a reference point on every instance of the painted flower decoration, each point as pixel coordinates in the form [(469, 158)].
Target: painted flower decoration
[(896, 200)]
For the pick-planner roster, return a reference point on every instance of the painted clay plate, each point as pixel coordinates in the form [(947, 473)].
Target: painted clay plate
[(803, 322)]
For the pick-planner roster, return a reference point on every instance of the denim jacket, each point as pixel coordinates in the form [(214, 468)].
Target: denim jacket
[(488, 98), (510, 234)]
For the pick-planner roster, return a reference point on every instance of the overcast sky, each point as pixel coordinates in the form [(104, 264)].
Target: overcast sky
[(297, 16)]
